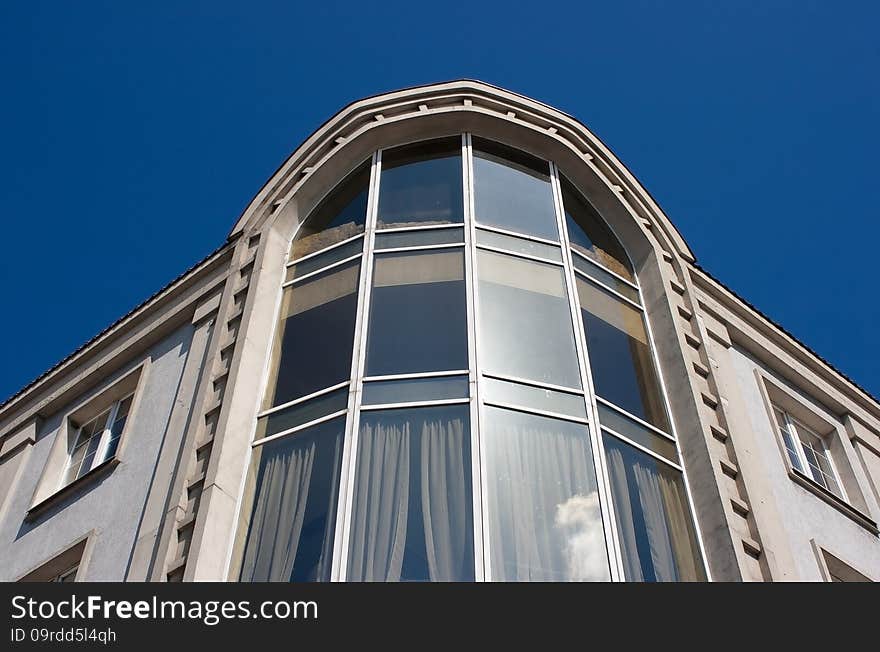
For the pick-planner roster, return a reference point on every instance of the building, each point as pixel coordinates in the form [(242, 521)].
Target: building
[(452, 338)]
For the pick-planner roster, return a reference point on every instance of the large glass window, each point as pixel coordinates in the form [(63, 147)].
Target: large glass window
[(339, 216), (293, 516), (421, 184), (545, 521), (512, 190), (387, 382), (418, 313), (316, 335), (525, 322), (654, 524), (620, 355), (412, 516)]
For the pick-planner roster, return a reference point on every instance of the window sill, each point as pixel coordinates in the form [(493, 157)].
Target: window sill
[(834, 500), (101, 471)]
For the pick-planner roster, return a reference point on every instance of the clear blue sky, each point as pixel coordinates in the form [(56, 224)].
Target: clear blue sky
[(133, 134)]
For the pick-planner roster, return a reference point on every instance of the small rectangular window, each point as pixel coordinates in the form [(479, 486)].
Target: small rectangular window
[(63, 567), (808, 452), (97, 440)]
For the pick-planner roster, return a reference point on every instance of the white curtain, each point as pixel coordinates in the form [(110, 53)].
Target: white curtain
[(279, 509), (660, 500), (404, 467), (446, 521), (545, 520), (378, 535)]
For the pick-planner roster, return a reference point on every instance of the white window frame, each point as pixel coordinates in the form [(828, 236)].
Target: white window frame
[(104, 439), (803, 466)]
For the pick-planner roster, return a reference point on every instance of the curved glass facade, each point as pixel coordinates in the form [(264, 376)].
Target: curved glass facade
[(462, 387)]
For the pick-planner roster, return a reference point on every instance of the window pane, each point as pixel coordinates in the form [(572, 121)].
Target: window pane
[(620, 355), (653, 517), (518, 245), (293, 517), (418, 314), (412, 515), (316, 335), (378, 392), (117, 428), (512, 190), (421, 184), (297, 415), (418, 238), (75, 462), (631, 429), (545, 521), (594, 271), (588, 233), (537, 398), (324, 260), (340, 216), (88, 460), (525, 323)]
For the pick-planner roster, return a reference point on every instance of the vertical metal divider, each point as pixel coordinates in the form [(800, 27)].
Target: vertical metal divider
[(599, 465), (480, 569), (674, 432), (358, 355)]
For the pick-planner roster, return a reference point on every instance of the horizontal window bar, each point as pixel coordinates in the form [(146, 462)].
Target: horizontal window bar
[(515, 234), (533, 383), (395, 250), (421, 238), (412, 404), (303, 277), (422, 374), (305, 426), (519, 245), (626, 440), (518, 254), (528, 410), (335, 245), (535, 398), (633, 417), (301, 413), (420, 227), (605, 288), (597, 273), (303, 399), (604, 268), (409, 390), (635, 433)]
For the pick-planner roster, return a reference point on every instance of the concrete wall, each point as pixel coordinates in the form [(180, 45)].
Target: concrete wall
[(803, 520), (108, 509)]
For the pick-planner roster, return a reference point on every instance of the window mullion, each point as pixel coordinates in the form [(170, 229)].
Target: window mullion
[(101, 450), (349, 454), (799, 446), (602, 477), (481, 548)]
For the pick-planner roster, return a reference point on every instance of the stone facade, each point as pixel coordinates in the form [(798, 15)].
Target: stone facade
[(167, 508)]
